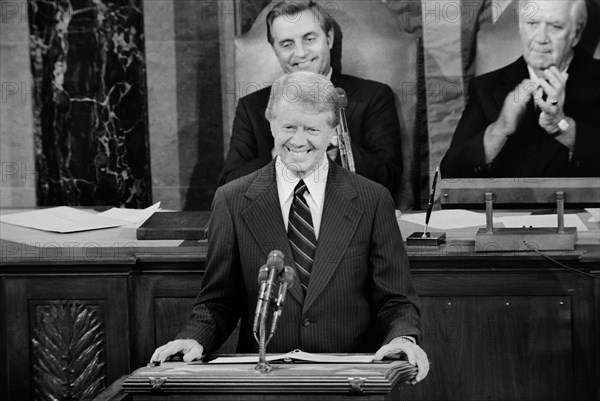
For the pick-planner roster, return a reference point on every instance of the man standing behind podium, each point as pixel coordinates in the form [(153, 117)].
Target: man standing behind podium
[(539, 116), (301, 35), (353, 290)]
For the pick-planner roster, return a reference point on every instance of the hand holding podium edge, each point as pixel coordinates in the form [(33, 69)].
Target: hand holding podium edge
[(414, 354), (191, 350)]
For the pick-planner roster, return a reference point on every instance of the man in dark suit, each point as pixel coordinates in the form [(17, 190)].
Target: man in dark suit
[(302, 35), (353, 290), (539, 116)]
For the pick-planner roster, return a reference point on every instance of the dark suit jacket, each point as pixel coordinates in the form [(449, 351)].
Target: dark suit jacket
[(372, 123), (530, 151), (360, 293)]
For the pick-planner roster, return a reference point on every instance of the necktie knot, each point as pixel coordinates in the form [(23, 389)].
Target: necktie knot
[(300, 188)]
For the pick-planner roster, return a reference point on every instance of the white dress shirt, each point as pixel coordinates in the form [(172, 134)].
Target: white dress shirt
[(315, 196)]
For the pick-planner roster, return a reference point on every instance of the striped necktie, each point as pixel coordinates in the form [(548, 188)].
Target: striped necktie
[(301, 234)]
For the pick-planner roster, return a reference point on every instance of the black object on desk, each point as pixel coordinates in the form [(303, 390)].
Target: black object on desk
[(425, 237), (189, 225)]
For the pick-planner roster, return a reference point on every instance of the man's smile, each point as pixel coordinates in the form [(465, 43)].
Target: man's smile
[(304, 64), (297, 152)]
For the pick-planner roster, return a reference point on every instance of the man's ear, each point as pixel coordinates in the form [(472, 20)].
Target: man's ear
[(330, 38), (578, 33)]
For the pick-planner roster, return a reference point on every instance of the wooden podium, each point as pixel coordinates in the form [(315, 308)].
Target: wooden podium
[(289, 381)]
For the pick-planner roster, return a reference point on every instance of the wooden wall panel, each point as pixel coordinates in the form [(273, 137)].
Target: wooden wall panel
[(65, 308), (498, 347), (163, 303)]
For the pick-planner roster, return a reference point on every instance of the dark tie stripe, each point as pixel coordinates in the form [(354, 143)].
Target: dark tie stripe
[(301, 234)]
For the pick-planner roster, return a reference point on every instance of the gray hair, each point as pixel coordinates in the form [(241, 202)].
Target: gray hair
[(313, 91), (577, 13)]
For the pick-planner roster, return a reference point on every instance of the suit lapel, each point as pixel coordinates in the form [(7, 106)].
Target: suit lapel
[(339, 221), (514, 74), (579, 91), (263, 217)]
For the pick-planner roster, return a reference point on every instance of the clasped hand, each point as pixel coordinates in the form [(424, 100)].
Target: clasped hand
[(551, 106)]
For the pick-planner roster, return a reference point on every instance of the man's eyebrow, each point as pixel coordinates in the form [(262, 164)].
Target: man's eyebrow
[(555, 21)]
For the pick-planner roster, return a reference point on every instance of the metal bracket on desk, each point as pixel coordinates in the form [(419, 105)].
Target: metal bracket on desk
[(490, 239), (157, 382), (355, 383)]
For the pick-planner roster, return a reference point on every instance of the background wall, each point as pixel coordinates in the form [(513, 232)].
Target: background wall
[(184, 49), (184, 99)]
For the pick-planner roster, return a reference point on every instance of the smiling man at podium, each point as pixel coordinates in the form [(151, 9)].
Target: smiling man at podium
[(353, 291)]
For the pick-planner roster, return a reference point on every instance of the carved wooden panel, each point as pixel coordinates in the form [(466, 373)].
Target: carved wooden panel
[(67, 344)]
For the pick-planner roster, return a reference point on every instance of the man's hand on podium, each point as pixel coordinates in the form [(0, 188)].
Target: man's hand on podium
[(191, 350), (414, 354)]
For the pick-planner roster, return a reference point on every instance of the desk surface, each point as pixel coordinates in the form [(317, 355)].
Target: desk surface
[(119, 246)]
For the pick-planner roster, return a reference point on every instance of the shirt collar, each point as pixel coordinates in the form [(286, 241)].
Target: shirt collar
[(315, 181)]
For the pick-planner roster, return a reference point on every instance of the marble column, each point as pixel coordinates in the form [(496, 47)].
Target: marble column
[(17, 170), (90, 103)]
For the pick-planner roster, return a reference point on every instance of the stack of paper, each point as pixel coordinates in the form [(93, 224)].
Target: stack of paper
[(64, 219)]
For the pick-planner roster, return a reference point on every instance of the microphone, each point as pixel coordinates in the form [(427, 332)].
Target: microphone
[(346, 155), (263, 275), (286, 281), (342, 98), (266, 278), (275, 260)]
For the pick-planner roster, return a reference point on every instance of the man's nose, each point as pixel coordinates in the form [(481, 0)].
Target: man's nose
[(541, 33), (299, 137), (300, 50)]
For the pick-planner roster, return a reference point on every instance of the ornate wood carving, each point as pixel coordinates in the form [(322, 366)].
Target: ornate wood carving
[(67, 350)]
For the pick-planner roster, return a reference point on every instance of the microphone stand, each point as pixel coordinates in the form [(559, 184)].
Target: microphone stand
[(263, 366), (278, 277), (344, 144)]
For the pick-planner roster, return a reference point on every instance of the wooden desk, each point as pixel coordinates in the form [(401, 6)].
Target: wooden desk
[(497, 326)]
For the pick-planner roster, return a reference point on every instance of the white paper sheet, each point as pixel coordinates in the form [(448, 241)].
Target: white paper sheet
[(542, 220), (131, 216), (595, 212), (448, 219), (299, 356), (62, 219)]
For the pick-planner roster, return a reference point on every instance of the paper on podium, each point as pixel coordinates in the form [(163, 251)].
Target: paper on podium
[(131, 216), (448, 219), (65, 219), (595, 212), (62, 219), (298, 355)]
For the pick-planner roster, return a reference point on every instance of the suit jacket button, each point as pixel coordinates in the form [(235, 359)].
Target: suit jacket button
[(306, 322)]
